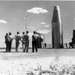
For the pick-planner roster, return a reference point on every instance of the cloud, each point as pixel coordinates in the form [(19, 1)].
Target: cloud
[(46, 26), (43, 31), (31, 27), (42, 23), (3, 21), (37, 10)]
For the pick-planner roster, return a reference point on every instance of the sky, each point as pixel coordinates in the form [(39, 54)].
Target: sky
[(35, 15)]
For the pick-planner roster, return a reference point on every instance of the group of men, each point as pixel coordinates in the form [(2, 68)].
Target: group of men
[(24, 39), (8, 41)]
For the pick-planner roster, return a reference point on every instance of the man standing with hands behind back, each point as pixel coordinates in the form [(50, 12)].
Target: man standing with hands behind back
[(26, 36), (34, 42), (17, 40)]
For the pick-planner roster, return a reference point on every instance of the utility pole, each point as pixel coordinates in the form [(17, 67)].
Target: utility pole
[(26, 21)]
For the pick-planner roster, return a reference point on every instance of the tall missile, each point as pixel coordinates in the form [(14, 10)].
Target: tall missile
[(57, 29)]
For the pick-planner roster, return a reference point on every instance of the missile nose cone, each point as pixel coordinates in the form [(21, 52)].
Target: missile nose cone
[(56, 15), (56, 8)]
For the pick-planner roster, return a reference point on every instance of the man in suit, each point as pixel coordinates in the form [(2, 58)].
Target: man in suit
[(9, 41), (40, 40), (26, 42), (6, 42), (23, 41), (17, 40), (34, 42)]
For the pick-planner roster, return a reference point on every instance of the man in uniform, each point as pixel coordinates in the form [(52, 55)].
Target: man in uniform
[(17, 40)]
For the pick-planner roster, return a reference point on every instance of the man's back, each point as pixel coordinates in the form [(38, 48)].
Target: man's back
[(9, 38), (34, 37), (17, 38), (26, 37)]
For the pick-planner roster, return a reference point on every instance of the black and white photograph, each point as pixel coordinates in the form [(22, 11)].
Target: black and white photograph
[(37, 37)]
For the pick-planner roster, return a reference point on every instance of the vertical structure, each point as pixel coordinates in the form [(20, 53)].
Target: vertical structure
[(73, 39), (57, 29)]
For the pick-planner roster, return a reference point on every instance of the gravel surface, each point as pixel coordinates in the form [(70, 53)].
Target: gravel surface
[(36, 63)]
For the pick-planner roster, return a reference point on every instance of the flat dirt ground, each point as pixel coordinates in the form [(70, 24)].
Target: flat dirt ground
[(41, 53), (20, 63)]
